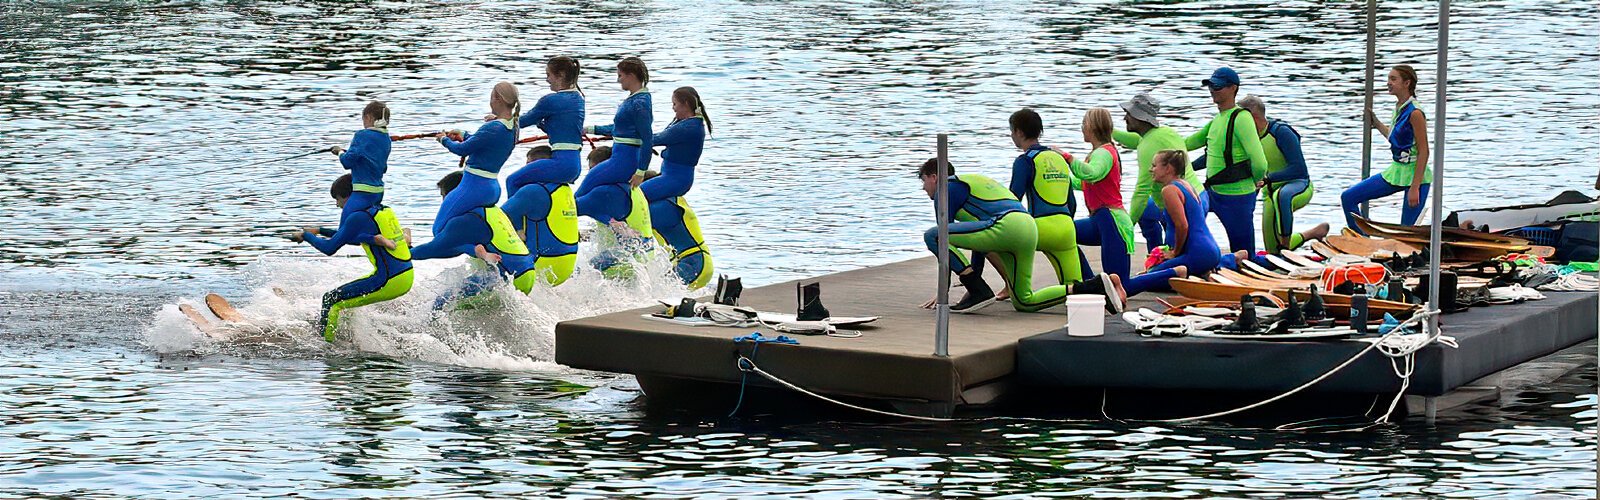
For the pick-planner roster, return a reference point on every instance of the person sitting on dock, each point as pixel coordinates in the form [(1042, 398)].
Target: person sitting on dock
[(545, 217), (1041, 177), (1408, 145), (985, 217), (1287, 186), (1146, 135), (378, 232), (1193, 250)]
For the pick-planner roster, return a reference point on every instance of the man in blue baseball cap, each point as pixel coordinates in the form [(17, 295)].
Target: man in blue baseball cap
[(1234, 161)]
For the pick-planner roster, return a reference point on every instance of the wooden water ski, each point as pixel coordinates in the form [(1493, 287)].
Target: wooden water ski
[(220, 307), (199, 320), (1447, 233), (1203, 290)]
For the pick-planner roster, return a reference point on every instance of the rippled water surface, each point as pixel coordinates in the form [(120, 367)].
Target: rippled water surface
[(132, 178)]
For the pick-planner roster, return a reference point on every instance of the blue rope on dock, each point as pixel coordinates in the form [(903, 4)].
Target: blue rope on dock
[(747, 363)]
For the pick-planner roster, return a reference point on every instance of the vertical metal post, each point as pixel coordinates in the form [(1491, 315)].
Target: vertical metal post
[(941, 307), (1438, 162), (1366, 131)]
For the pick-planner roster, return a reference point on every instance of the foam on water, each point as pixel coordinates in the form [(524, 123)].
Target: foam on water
[(507, 331)]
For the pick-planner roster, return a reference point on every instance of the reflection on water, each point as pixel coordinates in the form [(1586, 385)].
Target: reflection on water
[(135, 147)]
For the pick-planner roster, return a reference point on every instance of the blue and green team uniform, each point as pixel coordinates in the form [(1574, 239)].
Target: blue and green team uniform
[(1233, 163), (1199, 253), (1041, 176), (487, 226), (367, 159), (1146, 206), (1288, 185), (1395, 179), (684, 140), (677, 228), (987, 218), (547, 214), (391, 276), (604, 193), (486, 151), (559, 115)]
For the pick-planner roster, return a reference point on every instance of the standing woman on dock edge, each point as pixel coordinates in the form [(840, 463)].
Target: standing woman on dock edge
[(560, 115), (1408, 146), (485, 151)]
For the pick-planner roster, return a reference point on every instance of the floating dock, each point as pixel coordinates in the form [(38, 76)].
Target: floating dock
[(999, 353)]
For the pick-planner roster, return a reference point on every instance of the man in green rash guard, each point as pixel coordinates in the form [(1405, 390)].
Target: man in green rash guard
[(1234, 161), (1146, 136)]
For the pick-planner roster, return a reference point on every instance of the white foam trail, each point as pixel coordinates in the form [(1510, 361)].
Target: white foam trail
[(516, 334)]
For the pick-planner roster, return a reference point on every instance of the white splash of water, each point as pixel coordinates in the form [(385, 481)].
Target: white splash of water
[(507, 330)]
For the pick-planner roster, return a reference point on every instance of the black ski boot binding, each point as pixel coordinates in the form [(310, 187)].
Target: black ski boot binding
[(810, 300)]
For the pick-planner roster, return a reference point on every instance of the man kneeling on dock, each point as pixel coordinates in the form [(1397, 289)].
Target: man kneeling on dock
[(986, 217)]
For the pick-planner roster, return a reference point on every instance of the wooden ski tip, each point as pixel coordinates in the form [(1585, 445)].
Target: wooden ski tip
[(220, 307), (200, 322)]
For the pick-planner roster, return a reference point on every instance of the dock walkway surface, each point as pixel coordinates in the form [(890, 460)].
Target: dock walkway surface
[(999, 350)]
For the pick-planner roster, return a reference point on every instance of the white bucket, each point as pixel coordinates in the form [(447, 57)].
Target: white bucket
[(1086, 315)]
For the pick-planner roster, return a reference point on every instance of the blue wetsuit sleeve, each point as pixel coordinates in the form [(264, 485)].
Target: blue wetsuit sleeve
[(674, 134), (602, 129), (540, 111), (641, 122), (352, 156), (469, 145), (1021, 175), (1289, 145), (349, 232)]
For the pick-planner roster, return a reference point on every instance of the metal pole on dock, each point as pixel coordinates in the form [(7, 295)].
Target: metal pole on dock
[(941, 307), (1366, 131), (1438, 163)]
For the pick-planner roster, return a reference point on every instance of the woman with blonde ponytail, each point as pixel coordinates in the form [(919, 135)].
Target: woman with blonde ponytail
[(485, 151), (684, 139)]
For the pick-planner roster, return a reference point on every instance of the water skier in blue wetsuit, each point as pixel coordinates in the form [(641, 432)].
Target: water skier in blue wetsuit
[(604, 193), (684, 140), (485, 151), (485, 233), (378, 232), (545, 216), (367, 159), (560, 115)]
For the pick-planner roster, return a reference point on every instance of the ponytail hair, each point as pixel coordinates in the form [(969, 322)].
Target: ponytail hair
[(635, 66), (566, 68), (378, 112), (1178, 159), (690, 96), (1410, 75), (506, 92)]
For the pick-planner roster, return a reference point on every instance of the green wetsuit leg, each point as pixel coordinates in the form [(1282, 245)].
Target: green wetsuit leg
[(370, 289)]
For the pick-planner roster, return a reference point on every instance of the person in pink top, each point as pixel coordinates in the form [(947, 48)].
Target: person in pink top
[(1108, 225)]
